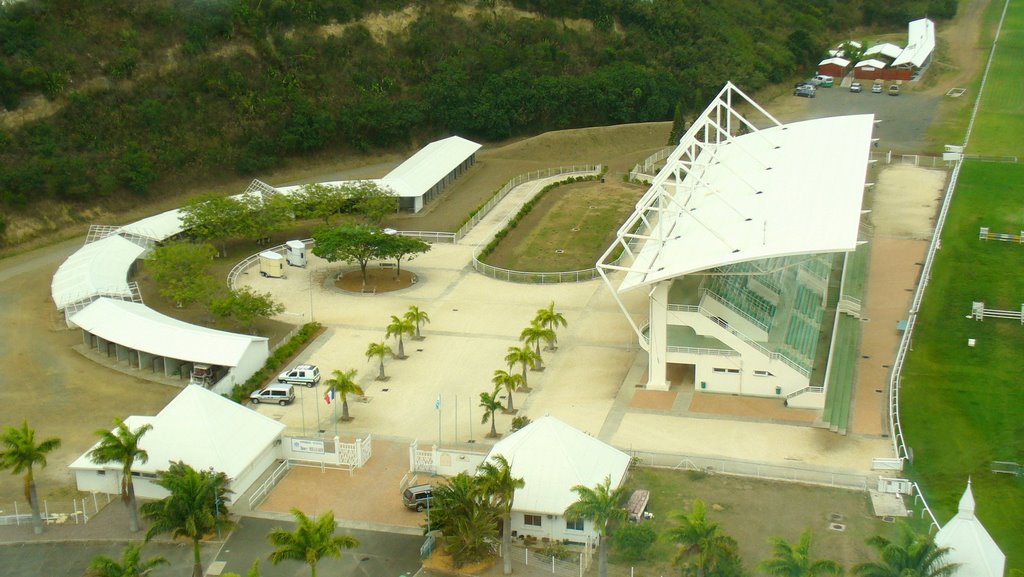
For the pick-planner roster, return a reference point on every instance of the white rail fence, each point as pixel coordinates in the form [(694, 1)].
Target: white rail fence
[(76, 511)]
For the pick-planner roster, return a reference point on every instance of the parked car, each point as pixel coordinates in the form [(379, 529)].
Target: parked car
[(823, 80), (417, 497), (280, 394), (308, 375), (876, 88), (805, 90), (894, 90), (856, 87)]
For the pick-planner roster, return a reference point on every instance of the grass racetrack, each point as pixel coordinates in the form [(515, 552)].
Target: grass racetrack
[(999, 127), (963, 407)]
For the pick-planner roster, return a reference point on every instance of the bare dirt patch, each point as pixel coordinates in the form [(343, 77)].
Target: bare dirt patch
[(378, 280)]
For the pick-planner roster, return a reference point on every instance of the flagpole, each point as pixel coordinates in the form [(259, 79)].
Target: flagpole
[(302, 407), (438, 405), (470, 417), (456, 418), (317, 403), (334, 404)]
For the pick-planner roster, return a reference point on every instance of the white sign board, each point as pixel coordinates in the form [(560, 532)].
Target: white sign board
[(308, 446)]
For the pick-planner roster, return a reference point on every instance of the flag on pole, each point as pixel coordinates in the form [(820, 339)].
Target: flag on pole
[(327, 397), (437, 403), (332, 393)]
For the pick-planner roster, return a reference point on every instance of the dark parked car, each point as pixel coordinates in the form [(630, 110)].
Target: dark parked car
[(805, 90)]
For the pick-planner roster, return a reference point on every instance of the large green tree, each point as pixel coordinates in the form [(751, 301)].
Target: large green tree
[(351, 243), (703, 547), (214, 218), (498, 483), (131, 564), (794, 559), (320, 201), (399, 247), (343, 383), (182, 271), (460, 510), (312, 540), (195, 508), (600, 505), (21, 454), (122, 446), (912, 555), (246, 305)]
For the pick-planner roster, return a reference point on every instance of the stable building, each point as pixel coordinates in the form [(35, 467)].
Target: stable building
[(835, 67), (551, 457), (741, 244), (427, 173), (200, 428)]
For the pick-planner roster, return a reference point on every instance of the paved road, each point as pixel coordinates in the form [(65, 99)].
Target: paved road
[(70, 559)]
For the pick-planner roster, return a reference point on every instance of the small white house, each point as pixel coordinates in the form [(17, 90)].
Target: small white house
[(552, 457), (200, 428)]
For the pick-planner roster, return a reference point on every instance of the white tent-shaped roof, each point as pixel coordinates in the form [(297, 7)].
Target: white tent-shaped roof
[(202, 429), (920, 43), (870, 62), (99, 267), (886, 49), (552, 458), (970, 544), (838, 61), (157, 227), (149, 331), (423, 170)]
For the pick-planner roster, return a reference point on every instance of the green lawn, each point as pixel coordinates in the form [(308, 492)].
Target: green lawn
[(964, 407), (999, 128)]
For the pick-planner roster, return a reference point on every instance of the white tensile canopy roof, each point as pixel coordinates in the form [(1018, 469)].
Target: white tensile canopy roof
[(970, 544), (838, 61), (886, 49), (98, 267), (202, 429), (421, 171), (157, 227), (920, 43), (552, 458), (732, 192), (149, 331), (872, 62)]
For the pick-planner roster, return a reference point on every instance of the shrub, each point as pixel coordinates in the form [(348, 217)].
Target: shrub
[(275, 361), (520, 422), (632, 541), (556, 549)]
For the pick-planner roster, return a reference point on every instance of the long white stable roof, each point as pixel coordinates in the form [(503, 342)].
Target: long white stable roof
[(920, 43), (202, 429), (552, 457), (837, 60), (870, 62), (157, 227), (886, 49), (782, 191), (144, 329), (969, 543), (415, 176), (98, 267)]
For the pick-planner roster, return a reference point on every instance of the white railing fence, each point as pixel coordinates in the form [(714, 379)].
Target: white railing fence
[(77, 511), (266, 486)]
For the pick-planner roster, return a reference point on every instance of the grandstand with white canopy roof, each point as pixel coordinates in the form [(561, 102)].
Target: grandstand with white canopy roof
[(741, 243)]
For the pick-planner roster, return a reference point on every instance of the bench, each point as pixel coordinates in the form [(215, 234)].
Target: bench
[(387, 265)]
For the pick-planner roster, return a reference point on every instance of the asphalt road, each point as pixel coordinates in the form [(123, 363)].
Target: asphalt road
[(71, 559)]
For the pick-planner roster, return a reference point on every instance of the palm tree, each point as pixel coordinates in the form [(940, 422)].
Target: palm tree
[(380, 350), (533, 335), (524, 356), (490, 404), (552, 319), (343, 385), (497, 482), (701, 541), (131, 564), (399, 328), (599, 505), (794, 560), (417, 317), (508, 381), (195, 508), (312, 540), (19, 454), (122, 446), (916, 555)]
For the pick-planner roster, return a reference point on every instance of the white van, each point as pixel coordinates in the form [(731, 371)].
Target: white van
[(823, 80), (308, 375), (280, 394)]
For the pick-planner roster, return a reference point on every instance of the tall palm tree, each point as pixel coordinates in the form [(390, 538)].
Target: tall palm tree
[(131, 564), (399, 328), (552, 319), (20, 454), (490, 404), (599, 505), (524, 356), (195, 508), (312, 540), (496, 480), (794, 560), (344, 385), (417, 317), (380, 350), (533, 335), (509, 382), (915, 555), (703, 546), (122, 446)]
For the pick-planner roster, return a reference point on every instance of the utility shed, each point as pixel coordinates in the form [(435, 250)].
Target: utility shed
[(199, 428), (427, 173), (148, 340), (552, 458)]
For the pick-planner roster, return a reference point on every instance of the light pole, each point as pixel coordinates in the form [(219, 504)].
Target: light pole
[(216, 500)]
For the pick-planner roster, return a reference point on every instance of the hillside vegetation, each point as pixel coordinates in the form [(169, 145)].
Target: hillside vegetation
[(108, 99)]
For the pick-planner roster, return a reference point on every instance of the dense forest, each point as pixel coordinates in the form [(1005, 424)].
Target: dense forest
[(142, 92)]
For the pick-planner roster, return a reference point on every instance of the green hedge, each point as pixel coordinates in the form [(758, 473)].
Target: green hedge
[(525, 210), (276, 360)]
